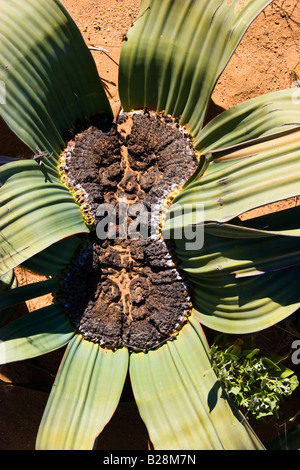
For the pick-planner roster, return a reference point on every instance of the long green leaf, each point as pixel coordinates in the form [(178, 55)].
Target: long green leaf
[(247, 304), (238, 180), (242, 256), (176, 51), (283, 222), (257, 117), (181, 400), (35, 334), (27, 292), (49, 75), (85, 394), (8, 282), (242, 280), (37, 210), (54, 259)]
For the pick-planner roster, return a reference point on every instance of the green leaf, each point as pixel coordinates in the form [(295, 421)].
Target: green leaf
[(237, 181), (181, 400), (176, 51), (293, 382), (223, 296), (8, 282), (54, 259), (27, 292), (235, 390), (35, 334), (252, 353), (85, 394), (254, 382), (283, 222), (49, 74), (257, 117), (285, 372), (239, 257), (36, 210), (245, 305)]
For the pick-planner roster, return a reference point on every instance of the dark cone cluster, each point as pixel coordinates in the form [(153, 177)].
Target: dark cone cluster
[(125, 288)]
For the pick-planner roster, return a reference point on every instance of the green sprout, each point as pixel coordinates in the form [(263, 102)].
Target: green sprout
[(256, 383)]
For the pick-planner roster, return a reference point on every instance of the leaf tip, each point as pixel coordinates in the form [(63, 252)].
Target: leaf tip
[(3, 357)]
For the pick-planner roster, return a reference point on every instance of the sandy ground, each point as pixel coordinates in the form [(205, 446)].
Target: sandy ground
[(264, 62)]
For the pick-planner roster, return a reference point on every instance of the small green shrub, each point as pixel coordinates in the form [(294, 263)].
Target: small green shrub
[(254, 382)]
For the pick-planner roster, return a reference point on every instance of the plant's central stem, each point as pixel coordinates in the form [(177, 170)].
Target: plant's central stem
[(125, 289)]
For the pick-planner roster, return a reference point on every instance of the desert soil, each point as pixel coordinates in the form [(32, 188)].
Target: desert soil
[(266, 60)]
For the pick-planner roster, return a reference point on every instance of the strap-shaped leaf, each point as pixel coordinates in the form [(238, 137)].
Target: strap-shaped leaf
[(27, 292), (176, 51), (257, 117), (37, 210), (35, 334), (243, 255), (266, 115), (54, 259), (241, 178), (248, 304), (283, 222), (49, 75), (181, 400), (85, 394), (241, 279), (8, 281)]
